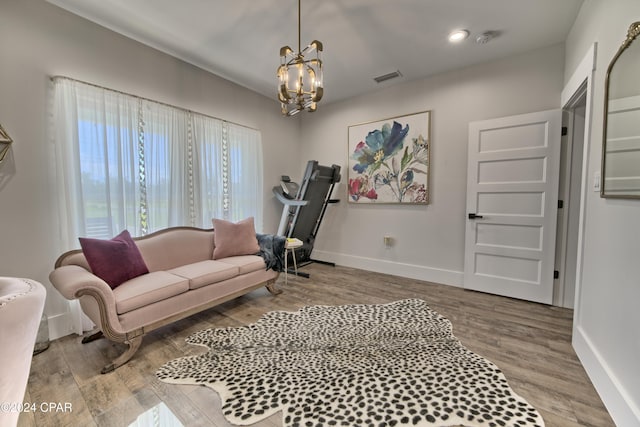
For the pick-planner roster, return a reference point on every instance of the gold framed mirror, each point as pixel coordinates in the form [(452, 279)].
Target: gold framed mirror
[(620, 175), (5, 143)]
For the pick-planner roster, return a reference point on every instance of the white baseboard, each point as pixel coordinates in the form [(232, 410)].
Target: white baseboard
[(617, 401), (411, 271), (60, 325)]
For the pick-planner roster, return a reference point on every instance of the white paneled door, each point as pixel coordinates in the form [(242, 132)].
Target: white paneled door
[(512, 200)]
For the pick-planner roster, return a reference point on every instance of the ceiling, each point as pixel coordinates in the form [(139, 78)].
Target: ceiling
[(240, 40)]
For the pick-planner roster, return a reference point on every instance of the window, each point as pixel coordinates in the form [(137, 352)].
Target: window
[(130, 163)]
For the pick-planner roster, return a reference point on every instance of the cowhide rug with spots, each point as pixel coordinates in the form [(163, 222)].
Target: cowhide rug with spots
[(371, 365)]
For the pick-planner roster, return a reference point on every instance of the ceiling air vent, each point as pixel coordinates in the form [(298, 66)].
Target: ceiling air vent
[(386, 77), (487, 36)]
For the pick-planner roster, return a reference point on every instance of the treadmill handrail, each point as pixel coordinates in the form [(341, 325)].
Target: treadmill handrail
[(277, 191)]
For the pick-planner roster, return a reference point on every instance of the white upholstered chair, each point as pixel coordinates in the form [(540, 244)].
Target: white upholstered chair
[(21, 306)]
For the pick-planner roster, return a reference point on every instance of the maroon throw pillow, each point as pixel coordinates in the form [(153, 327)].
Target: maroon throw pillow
[(233, 239), (115, 261)]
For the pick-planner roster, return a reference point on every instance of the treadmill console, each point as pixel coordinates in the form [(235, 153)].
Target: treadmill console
[(289, 188)]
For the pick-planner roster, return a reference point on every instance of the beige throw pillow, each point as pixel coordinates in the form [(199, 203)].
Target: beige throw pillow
[(233, 239)]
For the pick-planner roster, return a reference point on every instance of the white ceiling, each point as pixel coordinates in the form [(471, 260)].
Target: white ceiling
[(240, 40)]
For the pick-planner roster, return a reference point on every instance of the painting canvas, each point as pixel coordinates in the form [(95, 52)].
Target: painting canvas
[(389, 160)]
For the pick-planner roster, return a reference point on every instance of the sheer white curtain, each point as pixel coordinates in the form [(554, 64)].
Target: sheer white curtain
[(209, 179), (245, 182), (87, 176), (91, 173), (167, 165), (124, 162)]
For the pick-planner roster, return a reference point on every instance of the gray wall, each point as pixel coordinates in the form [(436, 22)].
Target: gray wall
[(429, 240), (607, 318)]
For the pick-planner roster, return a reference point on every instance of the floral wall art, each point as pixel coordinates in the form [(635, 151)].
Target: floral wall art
[(389, 160)]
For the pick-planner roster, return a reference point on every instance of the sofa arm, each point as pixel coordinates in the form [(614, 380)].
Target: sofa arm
[(74, 282), (69, 279)]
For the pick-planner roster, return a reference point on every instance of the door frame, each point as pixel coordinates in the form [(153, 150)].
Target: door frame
[(564, 192), (583, 75), (569, 193)]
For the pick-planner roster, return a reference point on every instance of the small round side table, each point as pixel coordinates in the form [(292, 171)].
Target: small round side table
[(290, 245)]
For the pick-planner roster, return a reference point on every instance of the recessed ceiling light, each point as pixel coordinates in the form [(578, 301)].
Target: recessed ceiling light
[(458, 35)]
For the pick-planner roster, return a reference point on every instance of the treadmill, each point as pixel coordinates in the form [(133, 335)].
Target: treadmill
[(304, 207)]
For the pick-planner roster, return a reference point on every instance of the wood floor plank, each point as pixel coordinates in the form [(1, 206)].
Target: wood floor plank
[(123, 413), (530, 342), (55, 383), (103, 393), (183, 407)]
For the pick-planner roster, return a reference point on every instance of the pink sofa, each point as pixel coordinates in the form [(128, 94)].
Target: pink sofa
[(183, 279), (21, 306)]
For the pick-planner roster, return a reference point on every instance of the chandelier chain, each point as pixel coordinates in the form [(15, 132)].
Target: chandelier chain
[(299, 25)]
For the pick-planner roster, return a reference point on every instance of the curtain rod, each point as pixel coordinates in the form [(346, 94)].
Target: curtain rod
[(53, 78)]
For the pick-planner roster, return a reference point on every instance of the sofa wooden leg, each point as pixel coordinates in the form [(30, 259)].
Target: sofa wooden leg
[(134, 345), (92, 337), (272, 288)]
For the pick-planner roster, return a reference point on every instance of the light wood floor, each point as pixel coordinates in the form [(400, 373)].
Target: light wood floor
[(530, 342)]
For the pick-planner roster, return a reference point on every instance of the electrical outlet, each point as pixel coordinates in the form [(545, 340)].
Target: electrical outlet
[(388, 241)]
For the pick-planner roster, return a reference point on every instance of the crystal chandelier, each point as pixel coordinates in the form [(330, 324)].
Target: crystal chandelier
[(299, 78)]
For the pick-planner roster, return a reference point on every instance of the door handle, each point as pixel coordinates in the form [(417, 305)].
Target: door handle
[(474, 216)]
